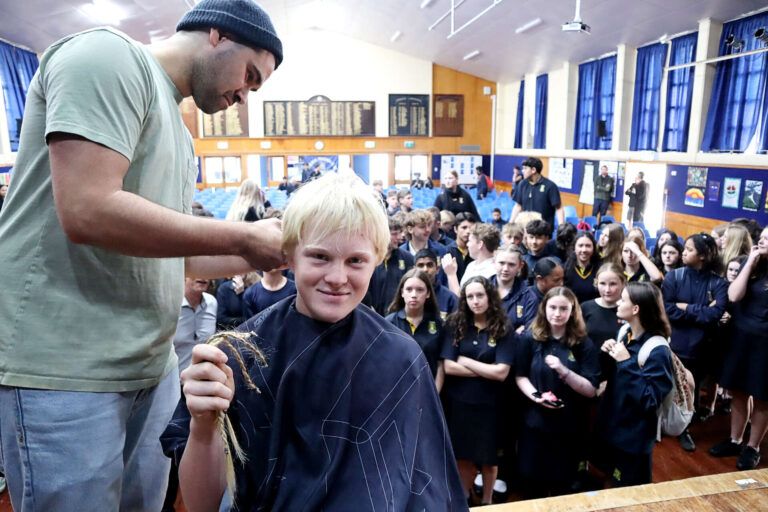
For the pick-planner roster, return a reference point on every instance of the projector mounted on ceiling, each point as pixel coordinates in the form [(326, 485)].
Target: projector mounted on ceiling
[(576, 25)]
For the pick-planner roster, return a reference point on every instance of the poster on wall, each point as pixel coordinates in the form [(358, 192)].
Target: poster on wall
[(464, 165), (694, 196), (561, 172), (731, 189), (753, 189), (697, 177), (587, 194), (714, 190)]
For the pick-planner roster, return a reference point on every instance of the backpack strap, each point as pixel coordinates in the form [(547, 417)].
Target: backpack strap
[(648, 346)]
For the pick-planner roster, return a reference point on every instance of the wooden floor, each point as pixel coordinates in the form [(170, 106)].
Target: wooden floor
[(738, 491), (670, 462)]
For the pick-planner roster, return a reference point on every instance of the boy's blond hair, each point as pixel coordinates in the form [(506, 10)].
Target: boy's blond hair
[(512, 230), (523, 218), (334, 203), (417, 217)]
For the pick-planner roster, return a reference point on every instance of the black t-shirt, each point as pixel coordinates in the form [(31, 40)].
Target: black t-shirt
[(602, 323), (542, 197), (478, 346)]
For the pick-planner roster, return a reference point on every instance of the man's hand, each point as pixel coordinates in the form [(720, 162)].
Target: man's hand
[(262, 248)]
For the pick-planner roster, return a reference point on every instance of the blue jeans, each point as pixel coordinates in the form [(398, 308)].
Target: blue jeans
[(600, 207), (100, 452)]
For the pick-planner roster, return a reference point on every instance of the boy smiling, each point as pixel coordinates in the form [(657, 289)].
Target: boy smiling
[(344, 393)]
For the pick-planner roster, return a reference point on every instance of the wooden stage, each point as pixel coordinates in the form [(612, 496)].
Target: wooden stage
[(745, 491)]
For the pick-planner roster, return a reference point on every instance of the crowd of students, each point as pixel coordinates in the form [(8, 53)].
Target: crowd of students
[(544, 313), (523, 338)]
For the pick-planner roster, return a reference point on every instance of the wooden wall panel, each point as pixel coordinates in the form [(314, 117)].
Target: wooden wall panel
[(477, 106), (685, 225)]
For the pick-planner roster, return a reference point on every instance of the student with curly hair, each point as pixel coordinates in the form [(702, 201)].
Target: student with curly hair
[(581, 265), (695, 297), (477, 360)]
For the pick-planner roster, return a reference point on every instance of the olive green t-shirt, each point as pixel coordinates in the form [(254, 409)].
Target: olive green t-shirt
[(77, 317)]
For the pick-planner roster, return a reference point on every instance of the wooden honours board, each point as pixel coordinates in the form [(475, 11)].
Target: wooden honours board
[(319, 116), (409, 115), (232, 122), (449, 115)]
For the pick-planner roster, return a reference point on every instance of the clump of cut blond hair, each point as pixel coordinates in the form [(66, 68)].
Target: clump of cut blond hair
[(332, 204), (226, 430)]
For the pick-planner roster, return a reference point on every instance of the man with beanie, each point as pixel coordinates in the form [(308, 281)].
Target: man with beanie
[(97, 237)]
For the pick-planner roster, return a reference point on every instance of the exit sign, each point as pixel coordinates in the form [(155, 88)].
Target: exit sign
[(409, 144)]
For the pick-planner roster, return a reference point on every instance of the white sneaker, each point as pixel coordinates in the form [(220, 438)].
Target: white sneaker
[(2, 484)]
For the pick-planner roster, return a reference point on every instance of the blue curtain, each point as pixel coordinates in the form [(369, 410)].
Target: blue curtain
[(519, 121), (607, 98), (597, 89), (645, 110), (17, 67), (738, 92), (540, 131), (679, 93)]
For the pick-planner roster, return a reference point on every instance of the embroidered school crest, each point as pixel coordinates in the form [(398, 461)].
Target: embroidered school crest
[(461, 200), (570, 356), (491, 342), (432, 328), (541, 188), (519, 311), (401, 264)]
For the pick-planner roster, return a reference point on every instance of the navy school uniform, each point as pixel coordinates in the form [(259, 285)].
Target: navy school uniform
[(628, 411), (641, 276), (602, 323), (462, 260), (257, 298), (744, 367), (428, 334), (340, 405), (531, 260), (229, 313), (447, 301), (698, 289), (474, 403), (552, 440), (582, 282), (530, 301), (436, 247), (542, 197), (512, 298), (446, 240), (385, 280)]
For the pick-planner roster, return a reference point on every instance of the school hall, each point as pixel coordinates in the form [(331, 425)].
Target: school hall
[(664, 101)]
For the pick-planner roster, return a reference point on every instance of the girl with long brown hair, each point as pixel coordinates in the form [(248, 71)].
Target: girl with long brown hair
[(555, 358)]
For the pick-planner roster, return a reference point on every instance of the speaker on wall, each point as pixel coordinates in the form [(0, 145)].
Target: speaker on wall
[(601, 129)]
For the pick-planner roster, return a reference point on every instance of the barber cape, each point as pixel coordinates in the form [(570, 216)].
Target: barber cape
[(348, 418)]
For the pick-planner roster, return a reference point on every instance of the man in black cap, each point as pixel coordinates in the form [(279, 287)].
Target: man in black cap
[(103, 186)]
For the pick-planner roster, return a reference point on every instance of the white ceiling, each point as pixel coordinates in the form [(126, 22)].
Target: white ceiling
[(504, 55)]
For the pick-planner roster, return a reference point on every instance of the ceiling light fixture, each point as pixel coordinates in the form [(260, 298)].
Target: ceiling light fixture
[(425, 3), (528, 26), (395, 36), (471, 55), (105, 12)]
